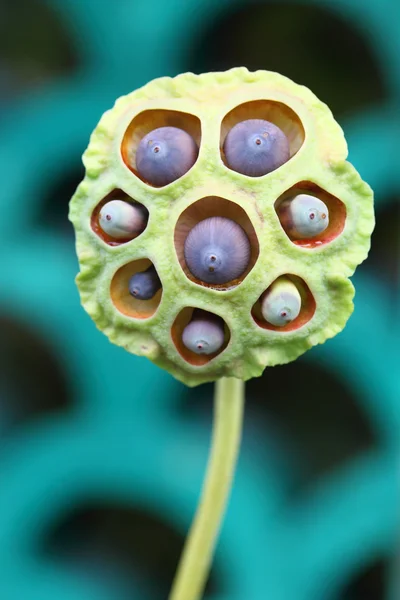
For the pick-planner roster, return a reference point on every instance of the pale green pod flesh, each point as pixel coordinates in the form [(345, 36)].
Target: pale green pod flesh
[(281, 304), (207, 106), (121, 220)]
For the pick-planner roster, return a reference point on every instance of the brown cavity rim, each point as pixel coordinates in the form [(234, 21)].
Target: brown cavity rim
[(213, 206), (122, 299), (337, 213), (151, 119), (116, 194), (198, 360), (275, 112), (308, 307)]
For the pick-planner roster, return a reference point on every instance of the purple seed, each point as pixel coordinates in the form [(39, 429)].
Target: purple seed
[(217, 250), (145, 284), (256, 147), (165, 154), (204, 334)]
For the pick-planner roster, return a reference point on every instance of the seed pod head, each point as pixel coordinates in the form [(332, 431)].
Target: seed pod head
[(217, 250), (121, 220), (235, 221), (204, 334), (281, 303), (165, 154), (256, 147), (304, 216), (145, 284)]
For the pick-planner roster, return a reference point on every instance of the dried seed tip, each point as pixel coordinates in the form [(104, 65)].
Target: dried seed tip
[(256, 147), (281, 303), (204, 334), (120, 219), (304, 216), (165, 154), (145, 284), (217, 250)]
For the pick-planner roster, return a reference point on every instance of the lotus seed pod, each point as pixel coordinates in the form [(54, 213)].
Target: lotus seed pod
[(256, 147), (217, 250), (256, 251), (304, 216), (165, 154), (204, 334), (281, 304), (122, 220), (145, 284)]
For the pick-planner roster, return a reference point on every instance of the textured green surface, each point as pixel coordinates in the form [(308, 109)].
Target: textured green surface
[(320, 160)]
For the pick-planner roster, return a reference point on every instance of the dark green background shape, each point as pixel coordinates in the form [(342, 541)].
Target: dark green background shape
[(102, 454)]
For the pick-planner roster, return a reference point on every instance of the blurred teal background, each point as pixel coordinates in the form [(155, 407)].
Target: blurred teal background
[(101, 453)]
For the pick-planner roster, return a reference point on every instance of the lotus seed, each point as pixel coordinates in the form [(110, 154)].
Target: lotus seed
[(217, 250), (256, 147), (204, 334), (165, 154), (145, 284), (304, 216), (120, 219), (281, 303)]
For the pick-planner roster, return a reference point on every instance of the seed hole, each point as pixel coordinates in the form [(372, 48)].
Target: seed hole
[(276, 113), (183, 319), (123, 299), (307, 307), (336, 214), (164, 170), (205, 208), (119, 220)]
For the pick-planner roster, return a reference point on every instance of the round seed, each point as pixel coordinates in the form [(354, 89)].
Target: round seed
[(121, 220), (281, 303), (217, 250), (204, 334), (144, 284), (165, 154), (256, 147), (304, 216)]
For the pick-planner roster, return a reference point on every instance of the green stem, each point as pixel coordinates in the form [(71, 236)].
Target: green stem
[(197, 556)]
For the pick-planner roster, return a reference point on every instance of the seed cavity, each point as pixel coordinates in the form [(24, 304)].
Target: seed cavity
[(159, 146), (199, 335), (204, 334), (138, 276)]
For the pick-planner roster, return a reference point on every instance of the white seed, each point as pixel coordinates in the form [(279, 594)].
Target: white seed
[(120, 219), (281, 303), (304, 216)]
